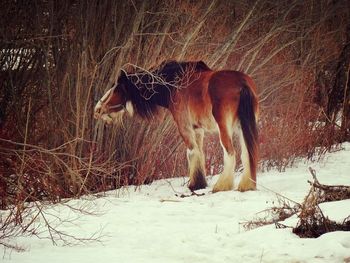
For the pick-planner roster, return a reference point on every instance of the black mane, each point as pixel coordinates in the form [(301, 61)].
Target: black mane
[(173, 69), (148, 90)]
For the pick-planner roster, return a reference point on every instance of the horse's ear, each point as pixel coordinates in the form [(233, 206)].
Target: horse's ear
[(123, 74), (123, 80)]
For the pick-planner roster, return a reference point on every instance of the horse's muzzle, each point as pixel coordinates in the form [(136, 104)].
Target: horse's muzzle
[(99, 110)]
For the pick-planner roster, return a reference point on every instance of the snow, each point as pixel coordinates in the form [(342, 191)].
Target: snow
[(337, 210), (152, 224)]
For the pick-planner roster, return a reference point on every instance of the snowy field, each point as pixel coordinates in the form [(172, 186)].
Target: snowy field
[(152, 224)]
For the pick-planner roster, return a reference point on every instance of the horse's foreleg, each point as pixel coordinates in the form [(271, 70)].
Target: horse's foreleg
[(197, 161), (196, 169), (195, 157)]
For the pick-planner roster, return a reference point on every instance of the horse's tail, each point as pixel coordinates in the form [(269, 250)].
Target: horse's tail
[(247, 114)]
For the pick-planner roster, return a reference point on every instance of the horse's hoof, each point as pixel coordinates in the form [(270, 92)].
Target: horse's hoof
[(224, 183), (244, 189), (194, 187), (246, 184), (222, 187), (197, 185), (197, 181)]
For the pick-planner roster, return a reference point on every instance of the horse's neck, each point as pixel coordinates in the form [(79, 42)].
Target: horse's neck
[(156, 92), (162, 95)]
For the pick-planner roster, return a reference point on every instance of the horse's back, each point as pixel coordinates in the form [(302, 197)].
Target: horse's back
[(229, 83), (210, 92)]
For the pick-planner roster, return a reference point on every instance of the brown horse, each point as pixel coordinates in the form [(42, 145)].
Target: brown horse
[(199, 100)]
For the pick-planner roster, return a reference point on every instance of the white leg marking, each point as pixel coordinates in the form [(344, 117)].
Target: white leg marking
[(229, 163), (226, 179), (189, 153), (193, 157)]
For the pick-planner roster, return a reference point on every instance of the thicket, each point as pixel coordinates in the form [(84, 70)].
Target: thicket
[(57, 58)]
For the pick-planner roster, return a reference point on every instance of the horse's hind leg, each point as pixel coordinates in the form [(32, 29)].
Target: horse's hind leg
[(226, 179), (247, 182)]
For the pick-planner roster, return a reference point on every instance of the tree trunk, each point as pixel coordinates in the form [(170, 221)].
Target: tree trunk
[(339, 94)]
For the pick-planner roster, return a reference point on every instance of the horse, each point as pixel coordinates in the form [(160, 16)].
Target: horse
[(199, 99)]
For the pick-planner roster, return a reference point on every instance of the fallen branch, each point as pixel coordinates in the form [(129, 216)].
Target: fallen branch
[(317, 224), (312, 222), (328, 193), (273, 215)]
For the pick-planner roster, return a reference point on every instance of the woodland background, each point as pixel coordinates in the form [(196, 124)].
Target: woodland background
[(57, 58)]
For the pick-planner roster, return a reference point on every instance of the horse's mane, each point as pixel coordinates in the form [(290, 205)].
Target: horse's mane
[(149, 89), (172, 69)]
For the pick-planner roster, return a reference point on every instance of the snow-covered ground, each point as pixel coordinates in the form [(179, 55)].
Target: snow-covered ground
[(152, 224)]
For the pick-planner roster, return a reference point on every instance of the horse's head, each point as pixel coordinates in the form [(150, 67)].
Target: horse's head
[(115, 102)]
